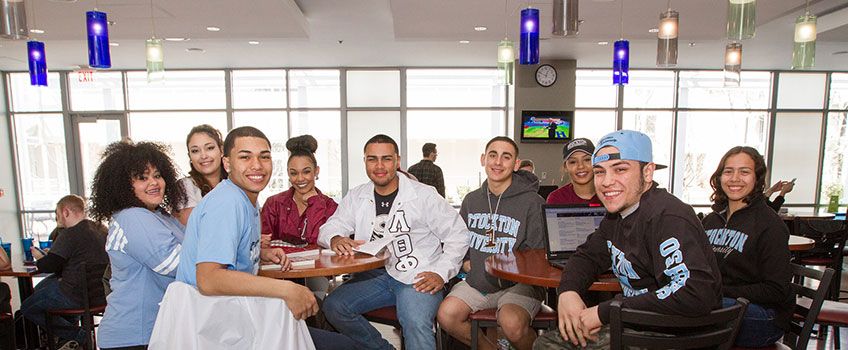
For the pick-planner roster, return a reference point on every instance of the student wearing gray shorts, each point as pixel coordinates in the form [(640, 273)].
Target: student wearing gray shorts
[(503, 215)]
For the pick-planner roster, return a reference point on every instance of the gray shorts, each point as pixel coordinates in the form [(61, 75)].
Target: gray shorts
[(526, 296)]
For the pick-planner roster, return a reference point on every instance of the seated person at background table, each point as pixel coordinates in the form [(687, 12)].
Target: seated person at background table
[(503, 215), (135, 188), (204, 152), (296, 214), (653, 242), (220, 257), (527, 165), (81, 242), (414, 276), (749, 241), (7, 326), (577, 163), (783, 187), (426, 171)]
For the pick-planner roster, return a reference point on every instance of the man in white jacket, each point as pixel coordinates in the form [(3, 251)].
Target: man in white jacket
[(430, 240)]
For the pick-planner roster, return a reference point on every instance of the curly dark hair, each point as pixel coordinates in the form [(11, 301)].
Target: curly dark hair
[(195, 175), (718, 196), (111, 188)]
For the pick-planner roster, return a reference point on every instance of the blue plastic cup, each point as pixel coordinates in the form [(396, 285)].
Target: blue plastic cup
[(45, 244), (8, 248), (27, 242)]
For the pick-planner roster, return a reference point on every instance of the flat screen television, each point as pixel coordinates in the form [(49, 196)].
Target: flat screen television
[(547, 126)]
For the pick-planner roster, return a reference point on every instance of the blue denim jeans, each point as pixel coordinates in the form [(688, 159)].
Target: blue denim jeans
[(47, 296), (758, 329), (372, 290), (326, 340)]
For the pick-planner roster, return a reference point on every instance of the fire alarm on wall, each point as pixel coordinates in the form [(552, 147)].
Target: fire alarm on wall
[(1, 192)]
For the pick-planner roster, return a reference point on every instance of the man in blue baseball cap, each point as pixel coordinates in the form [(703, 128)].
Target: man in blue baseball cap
[(653, 242)]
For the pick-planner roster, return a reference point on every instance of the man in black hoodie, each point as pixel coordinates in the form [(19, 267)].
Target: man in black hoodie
[(503, 215), (652, 241)]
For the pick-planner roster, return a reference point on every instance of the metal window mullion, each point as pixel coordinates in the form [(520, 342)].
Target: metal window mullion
[(14, 156), (343, 113), (404, 135), (72, 148), (288, 102), (228, 97), (772, 117), (822, 141)]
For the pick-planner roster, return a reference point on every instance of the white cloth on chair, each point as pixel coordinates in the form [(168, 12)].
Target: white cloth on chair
[(188, 320)]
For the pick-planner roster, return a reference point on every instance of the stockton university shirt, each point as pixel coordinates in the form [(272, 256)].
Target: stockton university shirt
[(223, 228), (144, 249)]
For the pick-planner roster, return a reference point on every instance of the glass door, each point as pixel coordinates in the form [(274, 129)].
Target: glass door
[(92, 134)]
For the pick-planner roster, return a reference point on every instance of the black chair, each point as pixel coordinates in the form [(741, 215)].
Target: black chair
[(808, 303), (545, 190), (830, 238), (7, 329), (92, 292), (716, 330)]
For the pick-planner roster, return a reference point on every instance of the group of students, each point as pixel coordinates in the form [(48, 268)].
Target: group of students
[(195, 245)]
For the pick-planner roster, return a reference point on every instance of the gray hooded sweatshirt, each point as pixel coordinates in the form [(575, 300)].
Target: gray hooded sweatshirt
[(517, 223)]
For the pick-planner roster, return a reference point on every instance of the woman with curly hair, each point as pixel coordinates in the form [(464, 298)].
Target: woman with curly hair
[(204, 144), (749, 242), (135, 188)]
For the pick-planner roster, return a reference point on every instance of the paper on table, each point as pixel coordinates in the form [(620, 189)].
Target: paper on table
[(374, 247)]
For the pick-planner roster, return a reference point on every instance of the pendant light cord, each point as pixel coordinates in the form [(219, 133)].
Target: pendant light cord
[(34, 21), (807, 8), (152, 22), (621, 24), (506, 15)]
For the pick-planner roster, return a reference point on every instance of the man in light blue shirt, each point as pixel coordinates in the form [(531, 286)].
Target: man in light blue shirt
[(221, 251)]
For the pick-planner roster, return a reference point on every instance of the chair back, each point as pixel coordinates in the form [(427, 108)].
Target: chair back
[(660, 331), (808, 303), (829, 235)]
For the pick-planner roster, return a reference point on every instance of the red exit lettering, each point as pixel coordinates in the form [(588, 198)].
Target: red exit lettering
[(85, 76)]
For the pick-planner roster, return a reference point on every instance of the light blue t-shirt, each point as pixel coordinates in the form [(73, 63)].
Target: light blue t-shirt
[(223, 228), (144, 249)]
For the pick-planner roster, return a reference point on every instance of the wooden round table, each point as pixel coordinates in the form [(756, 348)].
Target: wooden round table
[(797, 243), (331, 265), (531, 267), (806, 215)]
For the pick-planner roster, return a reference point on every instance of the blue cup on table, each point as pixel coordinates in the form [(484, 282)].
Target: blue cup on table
[(8, 248), (45, 244), (27, 243)]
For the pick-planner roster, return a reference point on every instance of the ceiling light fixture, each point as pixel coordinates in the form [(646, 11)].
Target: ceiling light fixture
[(37, 58), (154, 53), (13, 22), (529, 42), (177, 39), (506, 55), (98, 39), (113, 44), (654, 30), (603, 43), (464, 41), (621, 55), (36, 31), (480, 28), (565, 18), (667, 38), (732, 64), (195, 50), (253, 42), (213, 29), (804, 53), (741, 19)]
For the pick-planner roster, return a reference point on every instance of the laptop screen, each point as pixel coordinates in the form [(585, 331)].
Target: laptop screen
[(568, 226)]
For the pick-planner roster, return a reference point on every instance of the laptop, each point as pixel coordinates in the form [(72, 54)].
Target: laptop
[(566, 227)]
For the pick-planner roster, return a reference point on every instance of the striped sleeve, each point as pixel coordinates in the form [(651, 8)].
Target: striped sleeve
[(146, 238)]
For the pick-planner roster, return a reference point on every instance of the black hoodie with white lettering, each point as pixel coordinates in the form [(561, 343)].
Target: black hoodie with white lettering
[(753, 255)]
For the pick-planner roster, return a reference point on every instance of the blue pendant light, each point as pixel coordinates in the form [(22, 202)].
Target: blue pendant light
[(37, 63), (98, 39), (621, 55), (620, 62), (529, 45)]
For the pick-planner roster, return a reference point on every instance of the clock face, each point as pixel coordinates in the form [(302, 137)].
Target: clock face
[(546, 75)]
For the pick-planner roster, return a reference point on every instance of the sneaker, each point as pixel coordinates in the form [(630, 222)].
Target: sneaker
[(70, 345)]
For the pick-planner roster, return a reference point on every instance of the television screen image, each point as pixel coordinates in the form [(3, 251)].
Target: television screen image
[(547, 126)]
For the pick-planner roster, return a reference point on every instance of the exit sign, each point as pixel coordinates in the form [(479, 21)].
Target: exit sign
[(85, 76)]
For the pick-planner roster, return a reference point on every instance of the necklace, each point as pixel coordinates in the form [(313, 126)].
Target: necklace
[(491, 231)]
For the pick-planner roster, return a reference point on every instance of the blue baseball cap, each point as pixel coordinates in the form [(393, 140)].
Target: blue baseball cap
[(632, 145)]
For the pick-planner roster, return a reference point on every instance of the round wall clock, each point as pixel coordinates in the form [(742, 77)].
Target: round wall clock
[(546, 75)]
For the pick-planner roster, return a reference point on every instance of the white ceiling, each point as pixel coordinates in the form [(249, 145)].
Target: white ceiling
[(375, 33)]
